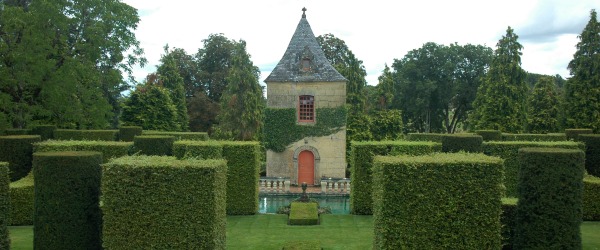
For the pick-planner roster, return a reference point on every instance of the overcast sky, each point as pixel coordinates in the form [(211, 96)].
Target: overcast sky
[(377, 31)]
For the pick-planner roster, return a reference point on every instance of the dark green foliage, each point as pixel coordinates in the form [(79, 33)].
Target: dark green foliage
[(109, 149), (304, 213), (150, 106), (86, 135), (193, 136), (550, 192), (508, 221), (543, 107), (509, 151), (153, 144), (592, 153), (534, 137), (490, 135), (462, 142), (21, 199), (4, 206), (302, 245), (198, 150), (45, 131), (281, 128), (127, 133), (168, 74), (17, 150), (361, 161), (153, 202), (573, 134), (67, 207), (591, 198), (17, 131), (386, 125), (437, 201), (424, 137)]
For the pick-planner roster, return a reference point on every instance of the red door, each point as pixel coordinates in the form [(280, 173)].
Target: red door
[(306, 168)]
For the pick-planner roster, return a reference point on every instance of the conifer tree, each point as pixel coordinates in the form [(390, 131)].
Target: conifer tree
[(150, 106), (173, 82), (582, 90), (542, 115)]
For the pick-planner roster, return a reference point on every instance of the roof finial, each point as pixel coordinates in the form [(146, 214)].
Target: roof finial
[(304, 12)]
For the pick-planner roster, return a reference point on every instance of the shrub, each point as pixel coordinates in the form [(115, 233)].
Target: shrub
[(153, 144), (45, 131), (490, 135), (461, 142), (198, 150), (591, 198), (573, 134), (17, 150), (304, 213), (437, 201), (550, 192), (66, 208), (509, 151), (424, 137), (21, 199), (361, 161), (86, 135), (109, 149), (127, 133), (179, 136), (174, 204), (592, 153), (4, 205), (508, 221), (17, 131), (534, 137)]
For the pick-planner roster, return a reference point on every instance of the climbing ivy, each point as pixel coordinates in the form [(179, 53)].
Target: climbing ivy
[(281, 128)]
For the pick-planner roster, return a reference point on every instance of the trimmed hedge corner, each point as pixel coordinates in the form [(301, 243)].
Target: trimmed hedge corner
[(304, 213), (434, 137), (86, 135), (453, 143), (17, 150), (592, 153), (198, 150), (508, 221), (158, 202), (490, 135), (4, 206), (21, 199), (361, 161), (109, 149), (437, 201), (180, 136), (127, 133), (573, 134), (153, 144), (66, 208), (550, 192), (45, 131), (591, 198)]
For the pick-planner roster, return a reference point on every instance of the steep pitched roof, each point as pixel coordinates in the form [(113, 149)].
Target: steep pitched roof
[(304, 61)]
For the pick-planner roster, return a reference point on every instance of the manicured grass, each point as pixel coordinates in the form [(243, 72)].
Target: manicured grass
[(271, 232)]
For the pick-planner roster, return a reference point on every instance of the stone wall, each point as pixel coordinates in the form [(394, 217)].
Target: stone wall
[(285, 95)]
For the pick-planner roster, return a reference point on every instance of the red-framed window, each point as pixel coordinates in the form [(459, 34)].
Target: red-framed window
[(306, 108)]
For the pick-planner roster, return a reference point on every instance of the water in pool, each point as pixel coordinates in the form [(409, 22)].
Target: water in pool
[(269, 204)]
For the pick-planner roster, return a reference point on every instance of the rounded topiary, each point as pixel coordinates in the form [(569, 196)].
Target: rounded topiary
[(67, 196), (17, 151), (153, 144), (592, 153), (490, 135), (4, 206), (573, 134), (45, 131), (127, 133), (462, 142)]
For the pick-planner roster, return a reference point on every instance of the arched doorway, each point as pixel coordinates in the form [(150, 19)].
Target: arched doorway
[(306, 167)]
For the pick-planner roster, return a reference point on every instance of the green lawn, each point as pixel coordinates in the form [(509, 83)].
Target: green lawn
[(271, 232)]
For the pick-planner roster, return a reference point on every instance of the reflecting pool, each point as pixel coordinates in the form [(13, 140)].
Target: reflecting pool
[(268, 204)]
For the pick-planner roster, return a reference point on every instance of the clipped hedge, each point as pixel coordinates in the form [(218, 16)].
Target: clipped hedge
[(592, 153), (304, 213), (17, 150), (573, 134), (361, 161), (153, 144), (453, 143), (243, 166), (127, 133), (158, 202), (534, 137), (4, 206), (180, 136), (21, 199), (17, 131), (437, 201), (45, 131), (66, 208), (509, 151), (490, 135), (109, 149), (86, 135), (434, 137), (591, 198), (508, 221)]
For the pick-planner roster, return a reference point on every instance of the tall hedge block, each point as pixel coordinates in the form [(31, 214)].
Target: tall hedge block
[(573, 134), (153, 145), (83, 135), (361, 160), (509, 151), (180, 136), (435, 137), (437, 201), (549, 209), (159, 202), (198, 150), (4, 206), (109, 149), (534, 137), (592, 153), (66, 208), (490, 135), (243, 168), (591, 198), (127, 133), (17, 150), (21, 200), (462, 142), (508, 221), (45, 131)]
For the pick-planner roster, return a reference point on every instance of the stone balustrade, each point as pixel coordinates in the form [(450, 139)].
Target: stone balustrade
[(274, 185), (335, 186), (281, 185)]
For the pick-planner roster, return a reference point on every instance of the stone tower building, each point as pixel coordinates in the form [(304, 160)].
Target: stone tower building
[(305, 125)]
